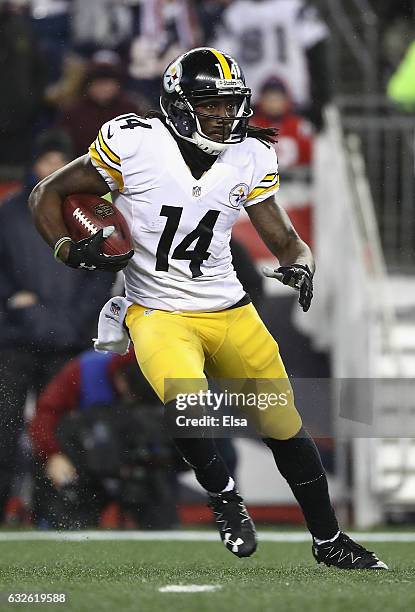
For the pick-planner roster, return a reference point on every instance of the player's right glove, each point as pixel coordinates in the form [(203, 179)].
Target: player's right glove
[(296, 276), (87, 254)]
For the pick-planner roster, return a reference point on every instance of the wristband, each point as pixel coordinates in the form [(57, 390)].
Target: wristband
[(58, 246)]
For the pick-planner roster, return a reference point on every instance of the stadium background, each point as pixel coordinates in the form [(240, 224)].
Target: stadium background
[(336, 79)]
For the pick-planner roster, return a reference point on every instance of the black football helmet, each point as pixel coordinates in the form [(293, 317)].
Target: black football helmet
[(202, 73)]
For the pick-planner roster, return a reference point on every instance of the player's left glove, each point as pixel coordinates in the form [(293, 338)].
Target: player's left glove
[(87, 253), (297, 276)]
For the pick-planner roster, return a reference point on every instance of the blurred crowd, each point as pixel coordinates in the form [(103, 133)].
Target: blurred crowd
[(68, 66), (72, 65)]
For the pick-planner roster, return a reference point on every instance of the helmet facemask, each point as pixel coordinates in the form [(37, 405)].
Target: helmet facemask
[(186, 121), (231, 128)]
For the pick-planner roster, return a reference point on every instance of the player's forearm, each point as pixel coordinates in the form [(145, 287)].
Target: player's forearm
[(296, 251), (46, 206), (291, 250), (278, 234), (46, 199)]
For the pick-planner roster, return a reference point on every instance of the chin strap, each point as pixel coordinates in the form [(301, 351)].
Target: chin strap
[(208, 146), (204, 144)]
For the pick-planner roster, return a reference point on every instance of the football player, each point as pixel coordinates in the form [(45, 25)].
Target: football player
[(180, 178)]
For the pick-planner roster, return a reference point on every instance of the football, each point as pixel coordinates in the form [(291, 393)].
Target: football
[(86, 214)]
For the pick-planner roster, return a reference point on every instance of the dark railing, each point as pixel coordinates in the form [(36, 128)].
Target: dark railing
[(387, 136), (388, 144)]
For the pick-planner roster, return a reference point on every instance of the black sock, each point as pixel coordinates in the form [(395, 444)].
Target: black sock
[(202, 455), (299, 462)]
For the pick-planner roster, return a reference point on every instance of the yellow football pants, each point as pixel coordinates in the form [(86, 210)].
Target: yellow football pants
[(230, 344)]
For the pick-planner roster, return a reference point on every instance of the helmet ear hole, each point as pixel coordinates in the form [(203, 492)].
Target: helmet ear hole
[(182, 120)]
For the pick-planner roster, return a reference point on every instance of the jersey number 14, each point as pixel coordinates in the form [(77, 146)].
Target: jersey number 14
[(202, 234)]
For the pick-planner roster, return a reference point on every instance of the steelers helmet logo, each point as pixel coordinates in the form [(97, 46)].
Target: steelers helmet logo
[(238, 195), (172, 77)]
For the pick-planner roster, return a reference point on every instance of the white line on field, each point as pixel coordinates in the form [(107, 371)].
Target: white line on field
[(186, 536), (189, 588)]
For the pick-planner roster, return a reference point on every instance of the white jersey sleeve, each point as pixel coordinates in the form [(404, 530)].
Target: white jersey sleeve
[(116, 143), (265, 180), (105, 156)]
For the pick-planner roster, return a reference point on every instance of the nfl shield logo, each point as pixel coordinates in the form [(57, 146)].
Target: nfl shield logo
[(115, 309), (196, 191)]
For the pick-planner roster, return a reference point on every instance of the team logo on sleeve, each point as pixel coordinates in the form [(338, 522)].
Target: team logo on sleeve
[(172, 77), (238, 195)]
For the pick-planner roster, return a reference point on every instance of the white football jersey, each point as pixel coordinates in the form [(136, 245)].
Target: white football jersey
[(181, 226), (270, 38)]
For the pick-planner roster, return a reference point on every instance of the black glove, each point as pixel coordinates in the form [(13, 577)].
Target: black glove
[(297, 276), (87, 254)]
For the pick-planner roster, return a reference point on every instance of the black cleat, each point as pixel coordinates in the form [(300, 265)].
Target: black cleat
[(344, 553), (234, 523)]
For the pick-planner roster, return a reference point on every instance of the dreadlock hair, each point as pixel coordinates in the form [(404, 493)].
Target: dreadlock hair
[(155, 114), (260, 133), (268, 134)]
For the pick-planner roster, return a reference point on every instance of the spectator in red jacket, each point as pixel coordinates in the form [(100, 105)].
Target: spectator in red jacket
[(97, 439), (102, 99), (295, 134), (65, 393)]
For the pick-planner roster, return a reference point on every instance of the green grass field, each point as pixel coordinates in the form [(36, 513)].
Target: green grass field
[(122, 576)]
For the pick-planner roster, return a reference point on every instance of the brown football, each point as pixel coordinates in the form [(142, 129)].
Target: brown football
[(86, 214)]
